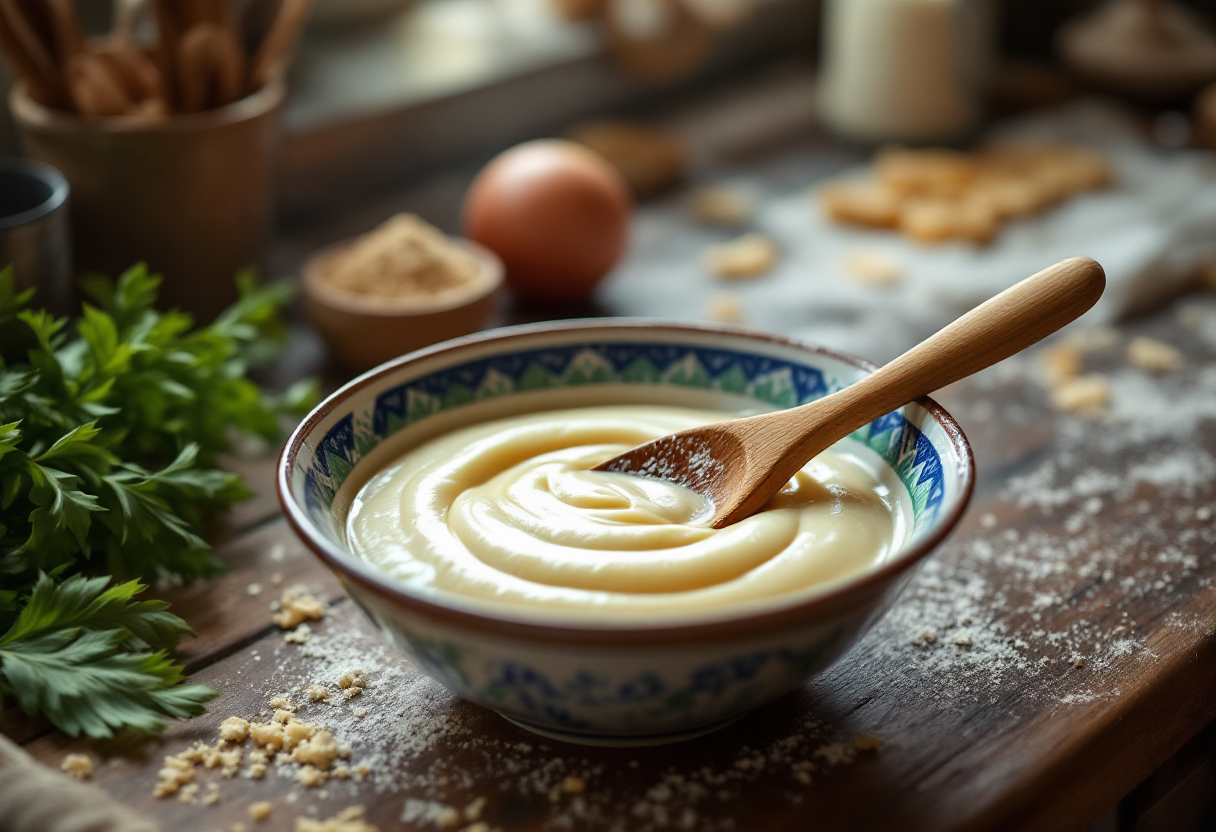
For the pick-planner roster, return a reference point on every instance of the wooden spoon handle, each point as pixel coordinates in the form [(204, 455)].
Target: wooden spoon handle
[(1003, 326)]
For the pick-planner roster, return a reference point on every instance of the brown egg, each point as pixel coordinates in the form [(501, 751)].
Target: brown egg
[(556, 213)]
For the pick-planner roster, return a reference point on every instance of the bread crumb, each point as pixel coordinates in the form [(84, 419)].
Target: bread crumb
[(298, 605), (237, 827), (318, 693), (962, 640), (362, 712), (447, 818), (319, 750), (352, 678), (1085, 394), (473, 810), (1061, 363), (253, 589), (867, 742), (725, 308), (1153, 356), (746, 257), (178, 771), (257, 771), (234, 729), (342, 772), (188, 792), (297, 732), (310, 776), (78, 766), (350, 819), (929, 637), (267, 734), (480, 826), (299, 635), (211, 798), (281, 703), (1077, 661), (720, 206), (276, 578), (230, 761), (873, 268), (260, 811)]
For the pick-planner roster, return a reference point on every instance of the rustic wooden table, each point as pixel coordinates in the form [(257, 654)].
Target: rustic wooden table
[(1049, 656)]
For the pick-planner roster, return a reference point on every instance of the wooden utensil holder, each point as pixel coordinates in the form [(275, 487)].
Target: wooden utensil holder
[(191, 194)]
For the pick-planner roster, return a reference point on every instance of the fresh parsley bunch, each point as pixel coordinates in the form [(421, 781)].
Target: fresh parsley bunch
[(109, 433)]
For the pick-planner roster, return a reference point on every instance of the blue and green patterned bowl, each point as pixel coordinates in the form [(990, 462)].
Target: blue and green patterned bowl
[(605, 683)]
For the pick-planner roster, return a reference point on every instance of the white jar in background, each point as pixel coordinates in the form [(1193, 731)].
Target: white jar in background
[(904, 70)]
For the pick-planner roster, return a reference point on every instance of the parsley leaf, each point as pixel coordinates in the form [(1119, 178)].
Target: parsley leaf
[(110, 431), (78, 654)]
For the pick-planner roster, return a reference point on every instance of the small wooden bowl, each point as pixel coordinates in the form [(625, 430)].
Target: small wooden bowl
[(363, 331)]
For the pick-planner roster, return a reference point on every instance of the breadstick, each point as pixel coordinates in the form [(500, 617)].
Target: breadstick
[(95, 90), (30, 56), (272, 54)]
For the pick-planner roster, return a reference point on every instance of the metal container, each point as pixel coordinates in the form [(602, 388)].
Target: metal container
[(34, 230), (190, 195)]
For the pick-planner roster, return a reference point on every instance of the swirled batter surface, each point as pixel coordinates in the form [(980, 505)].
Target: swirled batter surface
[(509, 511)]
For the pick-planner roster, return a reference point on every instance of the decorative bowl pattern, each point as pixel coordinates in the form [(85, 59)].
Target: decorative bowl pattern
[(606, 683)]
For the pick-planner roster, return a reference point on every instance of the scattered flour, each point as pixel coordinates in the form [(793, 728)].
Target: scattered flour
[(1061, 586)]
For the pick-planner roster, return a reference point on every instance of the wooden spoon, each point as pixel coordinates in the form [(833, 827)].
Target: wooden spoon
[(740, 465)]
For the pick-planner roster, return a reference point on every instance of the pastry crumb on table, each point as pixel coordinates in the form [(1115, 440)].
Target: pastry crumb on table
[(873, 268), (726, 308), (720, 206), (78, 766), (744, 258)]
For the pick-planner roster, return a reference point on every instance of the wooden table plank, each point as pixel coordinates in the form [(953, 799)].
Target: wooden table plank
[(1004, 733)]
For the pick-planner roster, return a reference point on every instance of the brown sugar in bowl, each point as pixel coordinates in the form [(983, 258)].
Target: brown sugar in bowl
[(363, 331)]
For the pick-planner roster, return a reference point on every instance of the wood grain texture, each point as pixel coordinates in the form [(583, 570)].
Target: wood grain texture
[(740, 465), (1000, 731)]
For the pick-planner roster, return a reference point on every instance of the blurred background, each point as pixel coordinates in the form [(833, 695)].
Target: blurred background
[(394, 106)]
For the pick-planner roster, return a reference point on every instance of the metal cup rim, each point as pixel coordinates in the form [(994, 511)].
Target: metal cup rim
[(37, 170)]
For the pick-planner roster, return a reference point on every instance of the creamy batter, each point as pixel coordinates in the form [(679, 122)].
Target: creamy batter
[(508, 511)]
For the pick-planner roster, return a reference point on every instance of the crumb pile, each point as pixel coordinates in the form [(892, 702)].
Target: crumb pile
[(406, 258), (937, 195), (451, 765)]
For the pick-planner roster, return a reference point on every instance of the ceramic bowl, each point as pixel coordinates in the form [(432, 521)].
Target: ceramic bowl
[(362, 332), (632, 684)]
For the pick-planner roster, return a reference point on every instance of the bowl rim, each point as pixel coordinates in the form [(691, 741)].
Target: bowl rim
[(490, 279), (846, 594)]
